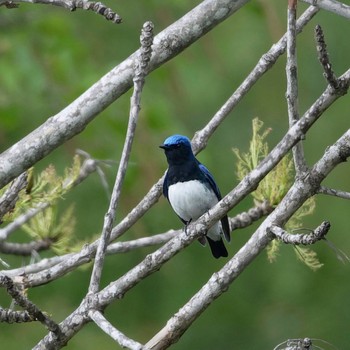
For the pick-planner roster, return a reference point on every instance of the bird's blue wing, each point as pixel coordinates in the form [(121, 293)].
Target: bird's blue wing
[(210, 179)]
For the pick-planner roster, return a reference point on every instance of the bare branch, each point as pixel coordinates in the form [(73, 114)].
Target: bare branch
[(304, 239), (114, 333), (305, 344), (201, 137), (88, 167), (220, 281), (334, 6), (11, 316), (292, 85), (152, 196), (75, 117), (241, 220), (10, 197), (140, 73), (41, 265), (324, 59), (301, 190), (266, 61), (71, 5), (95, 164), (294, 134), (332, 192), (34, 312), (124, 247), (25, 249), (248, 184), (253, 214), (85, 108), (295, 344)]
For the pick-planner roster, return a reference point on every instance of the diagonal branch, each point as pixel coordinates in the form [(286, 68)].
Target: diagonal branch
[(334, 6), (114, 333), (88, 167), (241, 220), (63, 266), (221, 280), (74, 118), (266, 61), (201, 137), (246, 186), (10, 197)]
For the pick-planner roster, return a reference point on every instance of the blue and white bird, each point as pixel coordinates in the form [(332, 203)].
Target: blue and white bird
[(191, 190)]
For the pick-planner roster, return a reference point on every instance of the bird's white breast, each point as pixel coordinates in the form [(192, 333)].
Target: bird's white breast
[(191, 199)]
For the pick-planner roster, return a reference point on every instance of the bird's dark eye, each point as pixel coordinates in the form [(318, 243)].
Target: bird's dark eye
[(177, 145)]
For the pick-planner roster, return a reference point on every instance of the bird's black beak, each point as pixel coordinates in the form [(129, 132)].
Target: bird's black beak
[(163, 146)]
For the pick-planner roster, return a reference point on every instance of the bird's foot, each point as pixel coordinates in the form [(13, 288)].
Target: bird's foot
[(186, 225)]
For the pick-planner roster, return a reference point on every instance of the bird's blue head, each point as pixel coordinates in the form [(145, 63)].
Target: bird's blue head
[(177, 149)]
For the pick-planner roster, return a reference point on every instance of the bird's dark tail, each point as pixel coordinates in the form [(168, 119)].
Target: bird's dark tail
[(217, 248)]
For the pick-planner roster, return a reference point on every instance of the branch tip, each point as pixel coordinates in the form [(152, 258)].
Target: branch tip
[(33, 311), (323, 57), (146, 41), (304, 239)]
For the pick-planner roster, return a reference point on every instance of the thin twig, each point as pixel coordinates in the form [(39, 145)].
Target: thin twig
[(114, 333), (292, 85), (334, 6), (124, 247), (305, 344), (88, 167), (139, 79), (333, 192), (295, 344), (10, 197), (96, 165), (323, 57), (97, 7), (34, 312), (25, 249), (266, 61), (12, 316), (245, 219), (304, 239), (21, 220)]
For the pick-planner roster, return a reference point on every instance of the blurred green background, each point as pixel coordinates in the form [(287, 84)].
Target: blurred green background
[(49, 56)]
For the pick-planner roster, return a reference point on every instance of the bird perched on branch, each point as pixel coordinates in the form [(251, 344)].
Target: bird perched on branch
[(191, 190)]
